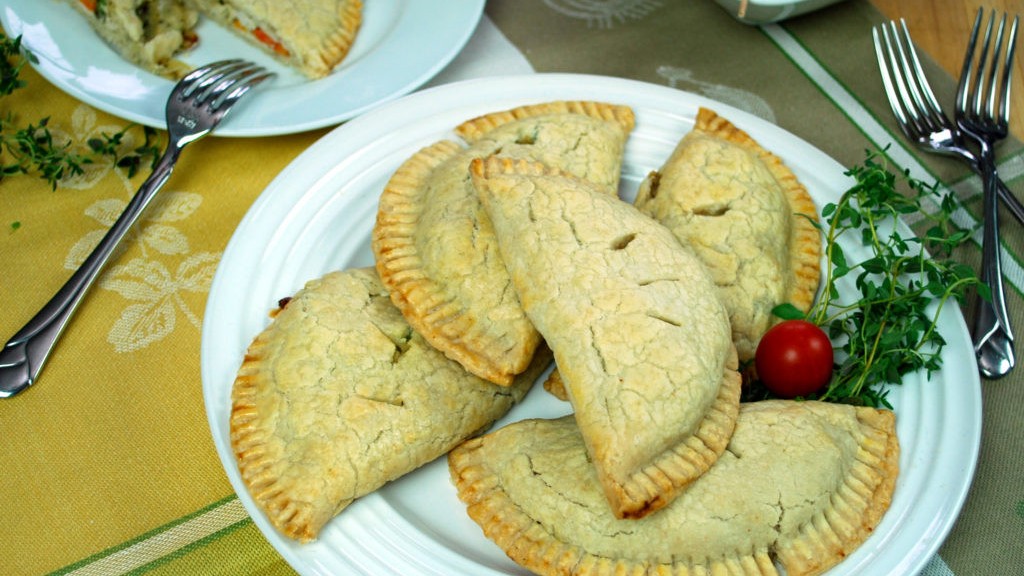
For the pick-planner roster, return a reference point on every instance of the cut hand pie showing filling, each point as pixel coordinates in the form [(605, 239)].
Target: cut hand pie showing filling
[(746, 216), (148, 33), (313, 36), (804, 483), (338, 396), (434, 245), (640, 338)]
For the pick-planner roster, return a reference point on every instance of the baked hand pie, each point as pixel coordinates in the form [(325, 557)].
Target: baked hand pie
[(804, 483), (311, 36), (338, 395), (434, 246), (640, 338), (746, 216)]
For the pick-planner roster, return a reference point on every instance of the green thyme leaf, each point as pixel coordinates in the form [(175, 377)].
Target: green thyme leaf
[(10, 65), (32, 149), (787, 311)]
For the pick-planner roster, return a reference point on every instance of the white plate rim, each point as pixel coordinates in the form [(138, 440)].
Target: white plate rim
[(402, 44), (949, 414)]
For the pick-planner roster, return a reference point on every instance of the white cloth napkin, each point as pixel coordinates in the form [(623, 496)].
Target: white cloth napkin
[(488, 53)]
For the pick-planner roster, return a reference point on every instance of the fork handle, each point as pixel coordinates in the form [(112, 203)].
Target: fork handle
[(22, 358), (1010, 200), (993, 337)]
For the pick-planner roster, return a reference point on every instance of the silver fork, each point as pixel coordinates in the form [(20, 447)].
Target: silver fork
[(196, 105), (982, 112), (917, 111)]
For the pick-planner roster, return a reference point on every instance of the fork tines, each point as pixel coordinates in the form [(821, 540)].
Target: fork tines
[(910, 96), (223, 81), (992, 93)]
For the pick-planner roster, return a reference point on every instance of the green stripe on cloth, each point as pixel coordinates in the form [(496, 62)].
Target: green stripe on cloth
[(185, 542), (241, 550), (897, 148)]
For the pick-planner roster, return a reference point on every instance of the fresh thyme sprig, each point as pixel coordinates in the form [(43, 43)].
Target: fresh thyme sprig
[(10, 65), (886, 327), (32, 148), (110, 145)]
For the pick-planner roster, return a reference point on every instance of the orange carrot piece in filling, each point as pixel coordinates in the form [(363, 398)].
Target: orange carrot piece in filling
[(266, 39)]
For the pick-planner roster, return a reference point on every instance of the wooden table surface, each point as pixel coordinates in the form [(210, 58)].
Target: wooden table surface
[(942, 27)]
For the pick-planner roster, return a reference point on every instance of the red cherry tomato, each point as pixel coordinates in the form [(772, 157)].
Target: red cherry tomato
[(794, 358)]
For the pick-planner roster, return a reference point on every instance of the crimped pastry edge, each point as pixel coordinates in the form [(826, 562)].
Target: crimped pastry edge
[(658, 483), (858, 506), (313, 64), (440, 321), (476, 128), (532, 546), (805, 240), (249, 444), (653, 487), (302, 516)]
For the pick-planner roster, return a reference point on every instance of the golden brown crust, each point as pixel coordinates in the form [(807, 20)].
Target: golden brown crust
[(809, 478), (555, 386), (746, 216), (350, 19), (641, 341), (338, 395), (476, 128), (442, 269), (714, 433), (434, 245)]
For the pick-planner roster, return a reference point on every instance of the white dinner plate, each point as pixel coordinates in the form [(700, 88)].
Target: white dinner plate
[(400, 45), (317, 215)]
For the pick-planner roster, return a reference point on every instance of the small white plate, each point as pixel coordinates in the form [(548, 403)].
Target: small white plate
[(400, 45), (317, 216)]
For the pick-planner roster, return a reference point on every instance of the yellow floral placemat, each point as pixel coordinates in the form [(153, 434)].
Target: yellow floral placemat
[(112, 442)]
